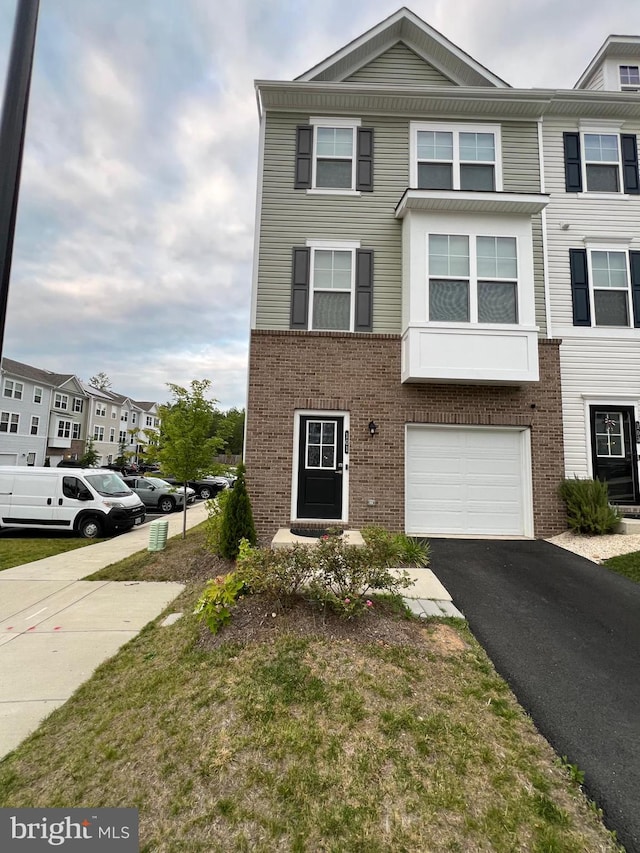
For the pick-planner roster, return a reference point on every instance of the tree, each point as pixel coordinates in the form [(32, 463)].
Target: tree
[(90, 456), (237, 519), (122, 457), (100, 381), (186, 450)]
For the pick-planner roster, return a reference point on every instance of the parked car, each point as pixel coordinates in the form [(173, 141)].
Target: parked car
[(205, 487), (158, 494)]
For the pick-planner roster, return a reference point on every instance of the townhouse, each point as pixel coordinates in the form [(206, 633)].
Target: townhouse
[(446, 290)]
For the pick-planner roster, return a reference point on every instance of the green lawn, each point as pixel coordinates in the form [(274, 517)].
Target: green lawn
[(27, 546), (625, 564), (303, 740)]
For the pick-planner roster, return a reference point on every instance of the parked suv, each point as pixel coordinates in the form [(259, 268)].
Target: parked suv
[(158, 494)]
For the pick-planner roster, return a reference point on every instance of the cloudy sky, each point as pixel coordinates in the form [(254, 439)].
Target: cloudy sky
[(134, 238)]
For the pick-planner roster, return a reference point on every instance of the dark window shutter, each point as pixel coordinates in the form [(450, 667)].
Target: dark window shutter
[(572, 167), (634, 262), (629, 146), (580, 287), (364, 290), (300, 289), (364, 167), (304, 153)]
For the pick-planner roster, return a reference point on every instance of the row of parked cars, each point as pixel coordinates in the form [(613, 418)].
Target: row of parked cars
[(165, 494)]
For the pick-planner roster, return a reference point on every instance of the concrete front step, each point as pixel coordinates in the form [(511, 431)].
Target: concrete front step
[(284, 538), (629, 526)]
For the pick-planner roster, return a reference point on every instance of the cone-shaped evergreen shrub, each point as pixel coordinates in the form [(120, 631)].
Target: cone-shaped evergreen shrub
[(237, 519), (588, 508)]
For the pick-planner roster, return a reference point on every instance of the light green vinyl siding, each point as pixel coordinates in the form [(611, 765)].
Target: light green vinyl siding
[(290, 217), (400, 65)]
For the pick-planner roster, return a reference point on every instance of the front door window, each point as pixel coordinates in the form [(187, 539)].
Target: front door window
[(609, 437), (321, 467)]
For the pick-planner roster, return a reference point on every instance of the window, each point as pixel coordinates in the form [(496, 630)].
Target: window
[(74, 488), (601, 161), (37, 395), (629, 77), (321, 444), (101, 410), (112, 434), (114, 413), (156, 422), (75, 431), (77, 404), (332, 284), (35, 423), (123, 436), (98, 433), (13, 389), (9, 422), (124, 416), (334, 155), (332, 287), (605, 286), (31, 459), (455, 157), (472, 279), (60, 401), (609, 434), (64, 429), (149, 421), (133, 417)]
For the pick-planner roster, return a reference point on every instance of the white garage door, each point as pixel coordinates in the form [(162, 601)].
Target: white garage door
[(8, 458), (468, 481)]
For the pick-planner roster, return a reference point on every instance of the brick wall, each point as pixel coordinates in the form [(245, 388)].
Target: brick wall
[(360, 373)]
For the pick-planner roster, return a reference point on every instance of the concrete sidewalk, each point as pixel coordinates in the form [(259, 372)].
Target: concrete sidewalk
[(56, 628)]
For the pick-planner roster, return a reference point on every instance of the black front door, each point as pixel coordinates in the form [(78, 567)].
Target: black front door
[(320, 466), (613, 449)]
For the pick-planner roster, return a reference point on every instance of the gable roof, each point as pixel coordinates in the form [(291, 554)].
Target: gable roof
[(37, 374), (619, 46), (406, 27)]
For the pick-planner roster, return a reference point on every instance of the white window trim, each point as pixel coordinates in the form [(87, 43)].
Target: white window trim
[(473, 281), (329, 121), (336, 246), (456, 129), (35, 389), (101, 410), (35, 418), (11, 415), (65, 424), (15, 386), (601, 128), (608, 247), (112, 435), (64, 401), (627, 87), (75, 428), (76, 401), (96, 431)]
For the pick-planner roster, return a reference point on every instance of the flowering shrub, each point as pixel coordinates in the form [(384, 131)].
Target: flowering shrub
[(214, 605)]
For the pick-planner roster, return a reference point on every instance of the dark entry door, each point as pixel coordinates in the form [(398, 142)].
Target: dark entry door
[(613, 448), (320, 467)]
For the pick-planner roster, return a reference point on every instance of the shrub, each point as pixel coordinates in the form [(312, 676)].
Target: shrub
[(237, 519), (214, 605), (396, 549), (215, 510), (281, 572), (588, 508), (338, 575)]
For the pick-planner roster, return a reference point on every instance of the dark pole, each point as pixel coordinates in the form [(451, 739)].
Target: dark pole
[(12, 129)]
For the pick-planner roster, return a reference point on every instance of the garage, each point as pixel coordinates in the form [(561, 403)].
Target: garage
[(8, 458), (468, 481)]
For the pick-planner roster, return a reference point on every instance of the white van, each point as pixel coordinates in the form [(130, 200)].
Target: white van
[(89, 501)]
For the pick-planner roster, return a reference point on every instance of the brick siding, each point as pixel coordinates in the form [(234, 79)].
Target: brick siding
[(360, 374)]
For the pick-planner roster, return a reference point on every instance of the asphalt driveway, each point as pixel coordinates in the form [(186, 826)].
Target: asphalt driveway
[(565, 634)]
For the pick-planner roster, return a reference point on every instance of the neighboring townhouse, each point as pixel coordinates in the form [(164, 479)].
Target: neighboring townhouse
[(67, 419), (46, 417), (593, 259), (401, 368), (26, 394)]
